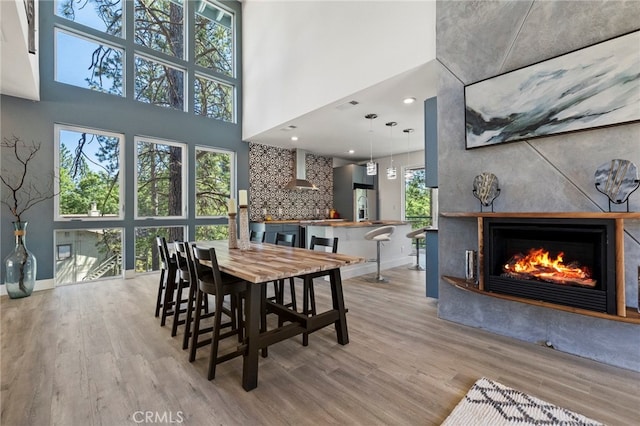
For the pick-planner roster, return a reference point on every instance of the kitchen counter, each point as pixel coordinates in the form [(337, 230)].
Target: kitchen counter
[(395, 252), (349, 224)]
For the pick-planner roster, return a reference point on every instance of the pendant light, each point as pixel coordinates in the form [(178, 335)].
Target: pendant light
[(408, 173), (372, 168), (391, 171)]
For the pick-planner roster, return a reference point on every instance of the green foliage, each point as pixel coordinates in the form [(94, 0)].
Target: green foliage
[(417, 200), (212, 232), (213, 182)]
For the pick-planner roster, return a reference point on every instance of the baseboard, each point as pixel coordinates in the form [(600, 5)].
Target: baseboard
[(40, 285)]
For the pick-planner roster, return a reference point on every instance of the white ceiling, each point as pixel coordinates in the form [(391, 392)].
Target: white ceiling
[(338, 127)]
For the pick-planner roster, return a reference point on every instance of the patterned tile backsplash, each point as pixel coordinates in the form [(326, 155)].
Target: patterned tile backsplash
[(271, 168)]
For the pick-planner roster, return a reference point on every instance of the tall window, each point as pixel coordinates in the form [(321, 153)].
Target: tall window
[(89, 178), (160, 181), (417, 199), (214, 181), (168, 72)]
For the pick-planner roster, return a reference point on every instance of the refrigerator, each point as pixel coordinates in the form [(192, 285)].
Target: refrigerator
[(365, 204)]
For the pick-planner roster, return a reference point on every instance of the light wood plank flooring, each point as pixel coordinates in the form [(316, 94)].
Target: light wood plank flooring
[(94, 354)]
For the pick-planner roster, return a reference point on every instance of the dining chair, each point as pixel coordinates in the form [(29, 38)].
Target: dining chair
[(213, 282), (288, 240), (166, 288), (309, 297), (257, 236)]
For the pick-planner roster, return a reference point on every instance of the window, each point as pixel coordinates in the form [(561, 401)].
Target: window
[(63, 251), (214, 181), (159, 26), (99, 15), (417, 198), (146, 249), (89, 179), (96, 253), (160, 180), (92, 44), (212, 232), (159, 84), (214, 38), (83, 62), (213, 99)]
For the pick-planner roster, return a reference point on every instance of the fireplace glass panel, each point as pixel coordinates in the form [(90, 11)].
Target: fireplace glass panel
[(584, 243)]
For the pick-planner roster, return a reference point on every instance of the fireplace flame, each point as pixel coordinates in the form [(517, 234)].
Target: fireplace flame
[(540, 265)]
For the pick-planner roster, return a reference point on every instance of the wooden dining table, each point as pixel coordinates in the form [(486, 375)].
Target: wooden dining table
[(263, 263)]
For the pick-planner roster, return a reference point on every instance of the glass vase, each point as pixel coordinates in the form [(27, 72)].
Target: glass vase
[(20, 265)]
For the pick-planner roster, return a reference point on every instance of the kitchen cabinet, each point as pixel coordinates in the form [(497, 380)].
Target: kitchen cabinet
[(271, 229)]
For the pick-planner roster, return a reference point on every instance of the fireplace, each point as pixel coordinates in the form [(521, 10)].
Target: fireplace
[(581, 254)]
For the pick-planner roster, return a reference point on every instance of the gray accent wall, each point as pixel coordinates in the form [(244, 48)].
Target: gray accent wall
[(61, 103), (477, 40)]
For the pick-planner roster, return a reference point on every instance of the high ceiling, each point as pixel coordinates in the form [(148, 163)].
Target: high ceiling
[(340, 126)]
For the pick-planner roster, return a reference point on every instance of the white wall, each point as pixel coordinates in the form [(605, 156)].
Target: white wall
[(301, 55), (391, 192)]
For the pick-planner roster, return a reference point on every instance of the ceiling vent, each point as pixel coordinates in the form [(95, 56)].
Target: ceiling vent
[(348, 105), (299, 180)]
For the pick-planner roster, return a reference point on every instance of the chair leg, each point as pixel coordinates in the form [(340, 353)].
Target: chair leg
[(190, 308), (196, 328), (417, 266), (168, 295), (292, 288), (177, 308), (215, 338), (161, 286)]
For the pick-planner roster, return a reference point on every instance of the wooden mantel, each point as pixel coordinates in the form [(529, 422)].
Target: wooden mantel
[(623, 313)]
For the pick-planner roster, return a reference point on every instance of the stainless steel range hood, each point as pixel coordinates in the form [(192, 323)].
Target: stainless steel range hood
[(299, 180)]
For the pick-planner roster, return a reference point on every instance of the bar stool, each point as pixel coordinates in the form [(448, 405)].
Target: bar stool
[(168, 276), (184, 281), (167, 269), (417, 235), (309, 297), (288, 240), (212, 281), (257, 236), (379, 235)]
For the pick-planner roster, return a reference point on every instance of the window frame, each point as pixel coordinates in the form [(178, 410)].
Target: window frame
[(121, 179)]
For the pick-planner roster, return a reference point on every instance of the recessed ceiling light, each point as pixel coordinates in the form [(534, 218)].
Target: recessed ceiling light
[(294, 138), (351, 151), (409, 100)]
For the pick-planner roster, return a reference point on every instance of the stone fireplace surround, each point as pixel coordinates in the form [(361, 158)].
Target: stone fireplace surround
[(478, 40)]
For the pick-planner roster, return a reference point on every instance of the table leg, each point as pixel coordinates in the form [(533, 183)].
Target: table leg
[(250, 359), (338, 304)]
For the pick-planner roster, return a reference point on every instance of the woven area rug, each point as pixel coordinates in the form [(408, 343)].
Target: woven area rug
[(491, 403)]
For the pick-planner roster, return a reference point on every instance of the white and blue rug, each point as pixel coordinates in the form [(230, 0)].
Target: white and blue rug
[(493, 404)]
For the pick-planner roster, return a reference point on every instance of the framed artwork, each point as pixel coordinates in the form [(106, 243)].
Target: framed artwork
[(595, 86)]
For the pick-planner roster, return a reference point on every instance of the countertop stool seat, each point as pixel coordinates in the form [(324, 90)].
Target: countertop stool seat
[(417, 235), (379, 235)]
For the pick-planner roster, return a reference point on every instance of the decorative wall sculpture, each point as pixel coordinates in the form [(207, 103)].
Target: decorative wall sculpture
[(592, 87), (617, 179)]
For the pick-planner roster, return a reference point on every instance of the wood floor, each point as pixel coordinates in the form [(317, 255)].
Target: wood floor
[(94, 354)]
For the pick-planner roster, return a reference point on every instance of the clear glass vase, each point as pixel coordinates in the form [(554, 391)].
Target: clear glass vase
[(20, 265)]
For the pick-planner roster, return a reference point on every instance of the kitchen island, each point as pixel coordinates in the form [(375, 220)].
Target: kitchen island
[(351, 241)]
